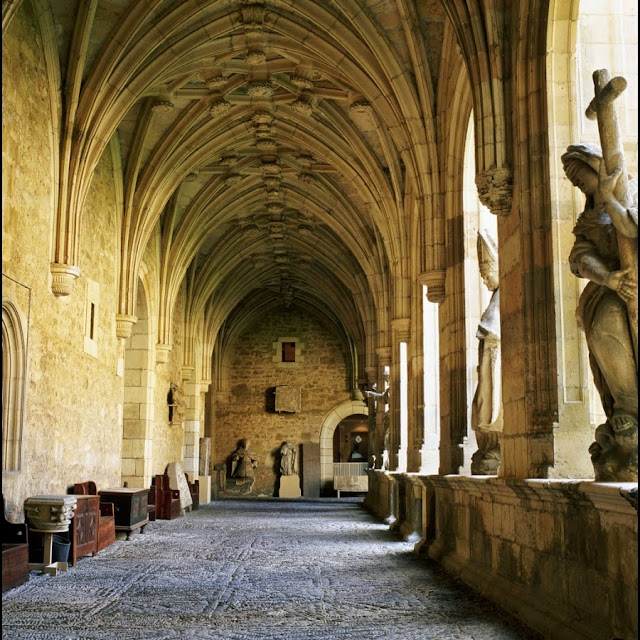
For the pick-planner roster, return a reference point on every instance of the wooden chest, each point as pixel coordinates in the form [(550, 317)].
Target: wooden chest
[(130, 507), (15, 565)]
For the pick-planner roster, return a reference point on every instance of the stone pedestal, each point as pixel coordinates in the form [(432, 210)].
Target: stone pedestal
[(49, 515), (204, 483), (289, 486)]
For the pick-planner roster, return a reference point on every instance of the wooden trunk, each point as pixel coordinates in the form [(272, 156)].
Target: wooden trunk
[(15, 565), (130, 507)]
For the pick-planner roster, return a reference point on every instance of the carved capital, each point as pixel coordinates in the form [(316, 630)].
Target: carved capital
[(162, 352), (434, 281), (124, 325), (62, 278), (401, 328), (495, 190)]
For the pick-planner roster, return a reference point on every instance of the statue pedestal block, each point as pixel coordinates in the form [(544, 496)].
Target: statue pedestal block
[(204, 483), (289, 486)]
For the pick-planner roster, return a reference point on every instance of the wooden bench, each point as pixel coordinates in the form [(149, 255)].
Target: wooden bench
[(165, 499), (15, 553), (106, 515)]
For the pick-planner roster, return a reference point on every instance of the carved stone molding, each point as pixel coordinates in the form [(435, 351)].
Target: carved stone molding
[(62, 278), (124, 325), (495, 190), (434, 281)]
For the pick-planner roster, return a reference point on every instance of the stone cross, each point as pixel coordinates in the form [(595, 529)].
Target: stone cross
[(602, 109)]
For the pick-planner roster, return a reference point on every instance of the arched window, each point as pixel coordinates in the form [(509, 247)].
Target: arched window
[(14, 361)]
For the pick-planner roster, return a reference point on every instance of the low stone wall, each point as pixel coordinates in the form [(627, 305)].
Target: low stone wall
[(562, 555)]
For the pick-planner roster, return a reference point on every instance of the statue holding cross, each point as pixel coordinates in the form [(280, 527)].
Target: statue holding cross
[(606, 253)]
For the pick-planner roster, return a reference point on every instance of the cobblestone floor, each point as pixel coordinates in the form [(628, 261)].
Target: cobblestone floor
[(249, 569)]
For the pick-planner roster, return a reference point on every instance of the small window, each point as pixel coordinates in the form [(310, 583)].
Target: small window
[(288, 352)]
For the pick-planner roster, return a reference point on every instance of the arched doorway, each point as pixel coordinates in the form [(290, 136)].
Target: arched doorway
[(336, 416), (351, 439)]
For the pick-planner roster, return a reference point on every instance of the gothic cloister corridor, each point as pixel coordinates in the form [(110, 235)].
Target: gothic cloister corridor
[(256, 569)]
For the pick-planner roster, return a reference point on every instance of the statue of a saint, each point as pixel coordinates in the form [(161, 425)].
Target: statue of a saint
[(602, 311), (288, 459), (486, 409), (242, 464)]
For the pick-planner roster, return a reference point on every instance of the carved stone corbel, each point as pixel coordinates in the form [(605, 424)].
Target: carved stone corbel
[(434, 281), (495, 190), (62, 278), (124, 325)]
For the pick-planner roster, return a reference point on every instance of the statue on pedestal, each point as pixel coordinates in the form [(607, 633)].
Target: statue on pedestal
[(606, 253), (288, 459), (486, 409)]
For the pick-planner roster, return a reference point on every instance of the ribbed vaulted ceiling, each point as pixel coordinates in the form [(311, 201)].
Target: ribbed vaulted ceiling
[(280, 148)]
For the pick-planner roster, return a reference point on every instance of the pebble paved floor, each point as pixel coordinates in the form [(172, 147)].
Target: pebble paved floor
[(249, 569)]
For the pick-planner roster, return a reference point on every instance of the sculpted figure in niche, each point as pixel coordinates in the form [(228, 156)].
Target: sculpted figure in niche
[(486, 409), (288, 459), (380, 398), (602, 310), (242, 464), (177, 404)]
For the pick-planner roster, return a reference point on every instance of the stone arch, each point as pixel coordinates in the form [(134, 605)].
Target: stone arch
[(14, 369), (329, 424), (139, 385)]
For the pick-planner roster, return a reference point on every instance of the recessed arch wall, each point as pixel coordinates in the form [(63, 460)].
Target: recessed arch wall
[(329, 424), (14, 372)]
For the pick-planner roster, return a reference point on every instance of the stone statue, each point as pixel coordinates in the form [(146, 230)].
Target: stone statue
[(383, 398), (177, 404), (242, 464), (486, 409), (602, 309), (288, 459)]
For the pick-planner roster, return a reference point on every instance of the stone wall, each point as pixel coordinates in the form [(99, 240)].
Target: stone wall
[(561, 555), (322, 377), (71, 429)]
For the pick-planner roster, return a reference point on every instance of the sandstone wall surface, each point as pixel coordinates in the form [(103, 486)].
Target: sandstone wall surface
[(71, 429)]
